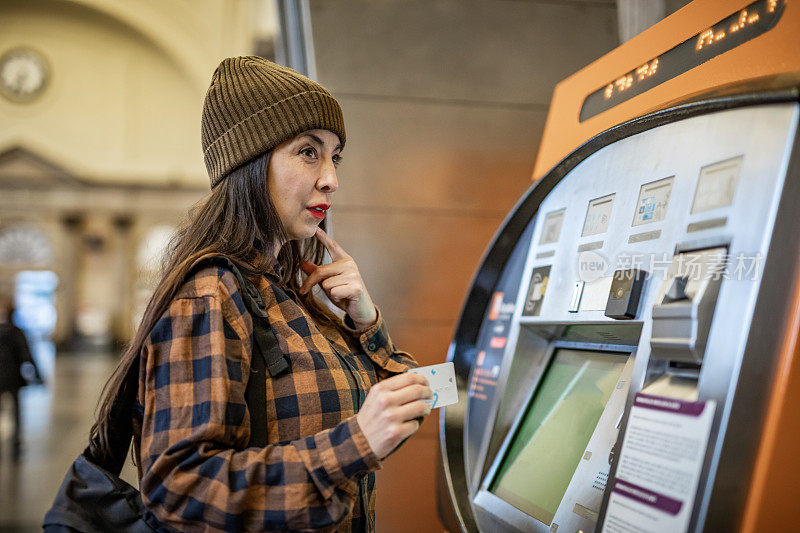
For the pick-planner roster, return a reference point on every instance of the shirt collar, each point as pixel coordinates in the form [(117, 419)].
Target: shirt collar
[(275, 270)]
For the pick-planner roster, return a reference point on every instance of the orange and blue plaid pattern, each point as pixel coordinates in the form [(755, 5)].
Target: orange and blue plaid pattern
[(196, 471)]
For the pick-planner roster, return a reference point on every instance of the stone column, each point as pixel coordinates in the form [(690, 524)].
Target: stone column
[(96, 282), (66, 296), (123, 257)]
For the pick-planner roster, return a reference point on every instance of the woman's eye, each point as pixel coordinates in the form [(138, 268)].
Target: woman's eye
[(308, 152), (337, 159)]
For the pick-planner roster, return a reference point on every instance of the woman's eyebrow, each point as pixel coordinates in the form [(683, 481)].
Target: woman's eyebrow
[(319, 141)]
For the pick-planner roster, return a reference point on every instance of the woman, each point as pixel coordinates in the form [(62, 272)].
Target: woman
[(272, 140)]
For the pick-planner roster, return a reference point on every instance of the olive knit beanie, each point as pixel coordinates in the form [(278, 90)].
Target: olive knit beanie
[(253, 105)]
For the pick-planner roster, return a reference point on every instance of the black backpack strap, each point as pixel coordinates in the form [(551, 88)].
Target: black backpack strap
[(264, 336)]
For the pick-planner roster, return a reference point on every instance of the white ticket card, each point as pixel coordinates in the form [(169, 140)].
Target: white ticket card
[(442, 380), (659, 465)]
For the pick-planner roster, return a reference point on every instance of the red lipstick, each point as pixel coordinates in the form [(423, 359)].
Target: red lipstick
[(318, 210)]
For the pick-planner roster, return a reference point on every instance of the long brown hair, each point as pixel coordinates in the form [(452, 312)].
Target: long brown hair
[(237, 220)]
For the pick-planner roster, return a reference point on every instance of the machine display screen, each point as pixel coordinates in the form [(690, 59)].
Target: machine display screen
[(653, 201), (552, 226), (716, 185), (555, 430), (738, 28), (598, 214)]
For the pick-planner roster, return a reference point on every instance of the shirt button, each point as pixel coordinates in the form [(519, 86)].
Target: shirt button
[(372, 346)]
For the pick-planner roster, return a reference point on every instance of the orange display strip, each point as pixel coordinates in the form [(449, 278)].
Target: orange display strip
[(732, 31), (772, 56)]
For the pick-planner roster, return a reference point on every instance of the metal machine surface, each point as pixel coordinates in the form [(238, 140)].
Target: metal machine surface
[(657, 263)]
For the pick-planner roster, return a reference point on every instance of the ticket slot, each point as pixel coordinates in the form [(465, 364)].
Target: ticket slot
[(684, 306)]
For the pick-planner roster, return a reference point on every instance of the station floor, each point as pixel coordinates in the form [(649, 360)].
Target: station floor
[(55, 425)]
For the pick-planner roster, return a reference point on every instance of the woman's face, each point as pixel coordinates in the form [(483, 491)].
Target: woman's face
[(302, 180)]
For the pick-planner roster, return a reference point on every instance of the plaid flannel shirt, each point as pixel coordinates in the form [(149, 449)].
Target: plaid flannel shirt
[(196, 472)]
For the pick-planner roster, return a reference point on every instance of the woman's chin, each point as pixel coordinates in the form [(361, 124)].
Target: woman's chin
[(306, 232)]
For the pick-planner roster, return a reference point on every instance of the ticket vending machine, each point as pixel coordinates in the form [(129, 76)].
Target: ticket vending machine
[(626, 353)]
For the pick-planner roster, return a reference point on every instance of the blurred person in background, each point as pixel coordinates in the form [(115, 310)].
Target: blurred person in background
[(16, 368), (272, 142)]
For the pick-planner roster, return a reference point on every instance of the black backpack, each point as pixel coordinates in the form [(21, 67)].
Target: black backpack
[(92, 496)]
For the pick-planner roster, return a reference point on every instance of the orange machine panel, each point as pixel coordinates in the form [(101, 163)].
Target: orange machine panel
[(774, 52), (771, 503)]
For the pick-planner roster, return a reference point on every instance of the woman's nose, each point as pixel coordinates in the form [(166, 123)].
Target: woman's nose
[(327, 182)]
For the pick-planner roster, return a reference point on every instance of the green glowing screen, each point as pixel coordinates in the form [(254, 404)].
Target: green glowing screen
[(555, 430)]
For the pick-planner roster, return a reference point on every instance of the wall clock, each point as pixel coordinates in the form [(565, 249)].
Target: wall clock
[(24, 74)]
